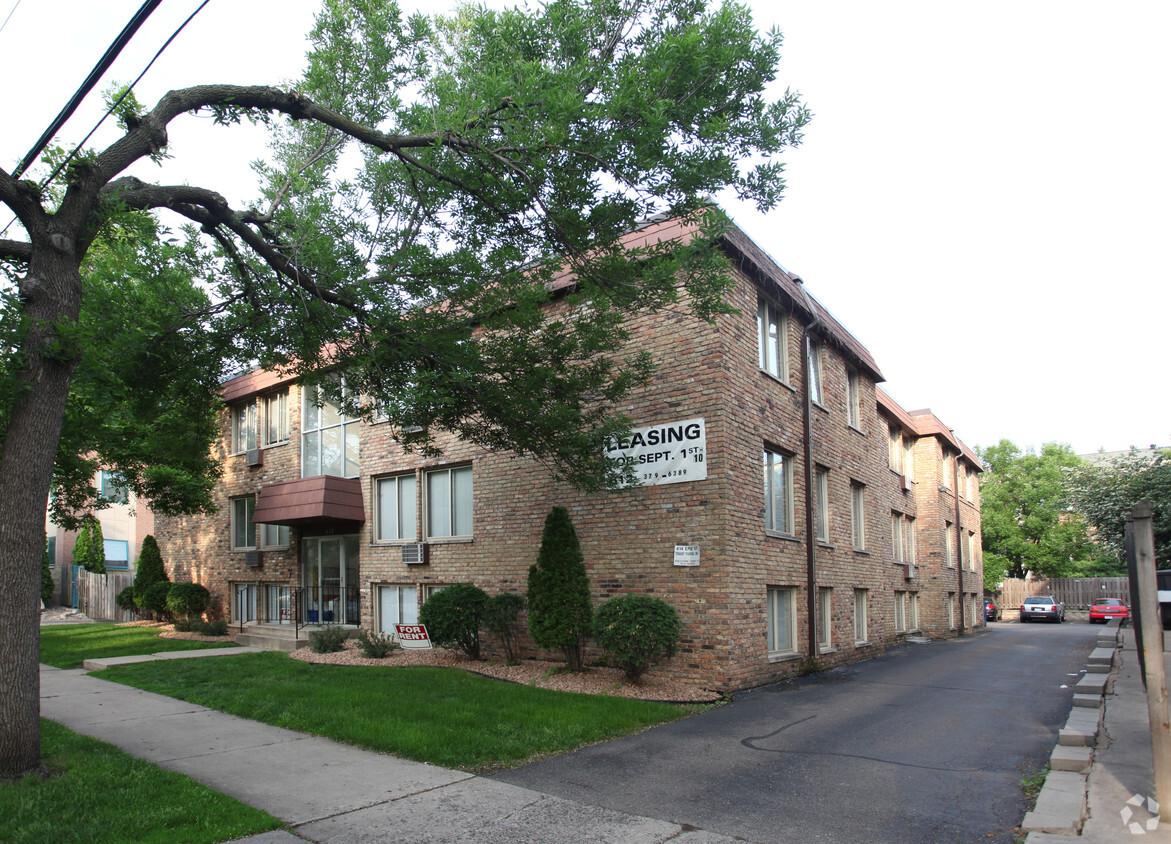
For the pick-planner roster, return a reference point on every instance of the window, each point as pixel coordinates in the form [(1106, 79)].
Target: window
[(945, 473), (778, 492), (949, 545), (977, 612), (853, 399), (772, 337), (861, 622), (329, 443), (243, 427), (782, 620), (395, 499), (913, 610), (894, 449), (970, 550), (951, 609), (908, 539), (825, 619), (243, 531), (908, 460), (896, 536), (858, 515), (813, 352), (117, 553), (821, 484), (449, 502), (397, 605), (276, 418), (971, 485), (900, 612), (114, 488), (51, 548), (274, 536)]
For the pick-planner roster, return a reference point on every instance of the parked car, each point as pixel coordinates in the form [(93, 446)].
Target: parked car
[(991, 611), (1104, 609), (1040, 607)]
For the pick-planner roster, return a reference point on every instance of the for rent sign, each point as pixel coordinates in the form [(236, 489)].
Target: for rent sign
[(412, 635), (671, 453)]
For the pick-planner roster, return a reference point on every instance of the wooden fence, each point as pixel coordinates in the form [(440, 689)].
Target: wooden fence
[(1074, 592), (96, 593)]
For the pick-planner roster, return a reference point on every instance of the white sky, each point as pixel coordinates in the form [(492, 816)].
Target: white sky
[(981, 198)]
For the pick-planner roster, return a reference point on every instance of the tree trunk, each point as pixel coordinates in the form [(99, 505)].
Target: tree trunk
[(51, 300)]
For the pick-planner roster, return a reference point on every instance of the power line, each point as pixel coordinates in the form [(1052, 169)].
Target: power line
[(15, 6)]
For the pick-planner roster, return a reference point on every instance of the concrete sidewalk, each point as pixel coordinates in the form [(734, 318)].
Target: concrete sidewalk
[(1104, 800), (328, 791)]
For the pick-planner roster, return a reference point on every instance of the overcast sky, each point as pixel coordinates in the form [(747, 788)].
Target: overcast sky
[(981, 198)]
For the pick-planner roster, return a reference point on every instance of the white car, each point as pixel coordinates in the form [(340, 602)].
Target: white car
[(1040, 607)]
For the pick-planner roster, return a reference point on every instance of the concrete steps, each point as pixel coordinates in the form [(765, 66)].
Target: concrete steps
[(274, 637)]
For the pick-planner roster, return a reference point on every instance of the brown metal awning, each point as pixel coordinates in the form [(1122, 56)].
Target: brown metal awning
[(319, 500)]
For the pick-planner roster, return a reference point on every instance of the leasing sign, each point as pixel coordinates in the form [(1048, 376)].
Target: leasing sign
[(670, 453)]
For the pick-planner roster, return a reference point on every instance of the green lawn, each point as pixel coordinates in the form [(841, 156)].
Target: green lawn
[(69, 645), (98, 793), (444, 716)]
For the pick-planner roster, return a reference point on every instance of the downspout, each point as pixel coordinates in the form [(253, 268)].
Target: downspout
[(812, 325), (959, 545)]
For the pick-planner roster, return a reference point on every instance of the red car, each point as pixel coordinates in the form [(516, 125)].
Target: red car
[(1104, 609)]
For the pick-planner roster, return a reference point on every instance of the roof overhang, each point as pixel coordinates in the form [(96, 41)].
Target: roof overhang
[(320, 500)]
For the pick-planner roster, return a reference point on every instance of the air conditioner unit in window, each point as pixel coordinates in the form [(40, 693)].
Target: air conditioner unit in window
[(255, 457), (415, 554), (905, 482), (912, 570), (253, 558)]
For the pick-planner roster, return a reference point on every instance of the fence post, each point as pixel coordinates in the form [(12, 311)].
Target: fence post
[(1152, 648)]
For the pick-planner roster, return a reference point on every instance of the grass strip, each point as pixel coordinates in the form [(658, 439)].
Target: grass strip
[(443, 716), (69, 645), (98, 793)]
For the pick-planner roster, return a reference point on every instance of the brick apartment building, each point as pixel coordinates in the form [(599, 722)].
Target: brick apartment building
[(780, 530)]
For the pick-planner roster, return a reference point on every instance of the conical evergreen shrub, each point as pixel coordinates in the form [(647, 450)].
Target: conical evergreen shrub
[(149, 568), (560, 615)]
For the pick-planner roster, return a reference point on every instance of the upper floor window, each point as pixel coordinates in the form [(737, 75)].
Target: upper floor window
[(908, 459), (395, 503), (449, 502), (778, 492), (246, 535), (821, 485), (813, 351), (329, 439), (243, 427), (114, 488), (945, 472), (276, 417), (949, 544), (772, 340), (894, 450), (858, 515), (853, 399)]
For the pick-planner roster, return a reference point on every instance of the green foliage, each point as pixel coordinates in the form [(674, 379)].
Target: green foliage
[(187, 600), (1026, 521), (560, 614), (47, 585), (154, 598), (374, 645), (89, 551), (501, 617), (637, 631), (149, 568), (203, 628), (125, 599), (329, 639), (1105, 493), (453, 615)]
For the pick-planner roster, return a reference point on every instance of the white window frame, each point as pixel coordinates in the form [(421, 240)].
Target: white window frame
[(459, 512), (894, 448), (945, 480), (782, 620), (853, 398), (772, 336), (951, 610), (404, 594), (900, 612), (243, 426), (896, 536), (858, 515), (909, 538), (825, 618), (816, 382), (908, 459), (243, 507), (949, 556), (276, 409), (315, 401), (821, 513), (273, 536), (405, 519), (776, 465), (861, 616), (913, 610)]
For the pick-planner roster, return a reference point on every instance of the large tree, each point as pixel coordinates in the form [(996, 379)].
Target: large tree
[(1105, 492), (496, 154), (1025, 518)]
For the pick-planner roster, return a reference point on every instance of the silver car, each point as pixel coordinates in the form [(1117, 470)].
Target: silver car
[(1040, 607)]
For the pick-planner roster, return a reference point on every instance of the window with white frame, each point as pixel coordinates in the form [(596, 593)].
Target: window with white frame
[(853, 399), (243, 531), (970, 539), (782, 620), (908, 459), (273, 536), (449, 502), (965, 551), (977, 612), (772, 336), (821, 511), (813, 352), (900, 612), (778, 492), (329, 438), (894, 448), (243, 427), (951, 609), (858, 515), (949, 545), (861, 615), (908, 539), (276, 417), (913, 610), (945, 472), (114, 488), (896, 536), (395, 508), (825, 617), (397, 605)]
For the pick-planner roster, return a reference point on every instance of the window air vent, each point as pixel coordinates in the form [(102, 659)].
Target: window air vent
[(911, 571), (252, 558), (255, 457), (415, 554)]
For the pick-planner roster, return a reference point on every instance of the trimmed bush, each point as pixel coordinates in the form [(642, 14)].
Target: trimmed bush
[(559, 591), (328, 640), (500, 617), (203, 628), (154, 599), (376, 645), (187, 600), (89, 551), (149, 568), (125, 599), (452, 617), (636, 631)]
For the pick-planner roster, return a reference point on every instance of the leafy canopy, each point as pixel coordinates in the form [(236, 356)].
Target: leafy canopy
[(1105, 493)]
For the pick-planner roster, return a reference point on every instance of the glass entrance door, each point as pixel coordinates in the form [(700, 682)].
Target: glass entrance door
[(331, 579)]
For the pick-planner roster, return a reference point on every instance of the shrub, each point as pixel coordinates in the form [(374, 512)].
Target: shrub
[(637, 631), (149, 568), (125, 599), (452, 617), (47, 585), (89, 551), (203, 628), (187, 600), (328, 640), (376, 645), (154, 599), (500, 614), (559, 591)]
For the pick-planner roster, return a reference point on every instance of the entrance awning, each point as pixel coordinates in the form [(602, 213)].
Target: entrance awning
[(320, 500)]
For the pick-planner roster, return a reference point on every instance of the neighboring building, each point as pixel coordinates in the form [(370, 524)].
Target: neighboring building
[(774, 547), (125, 522)]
